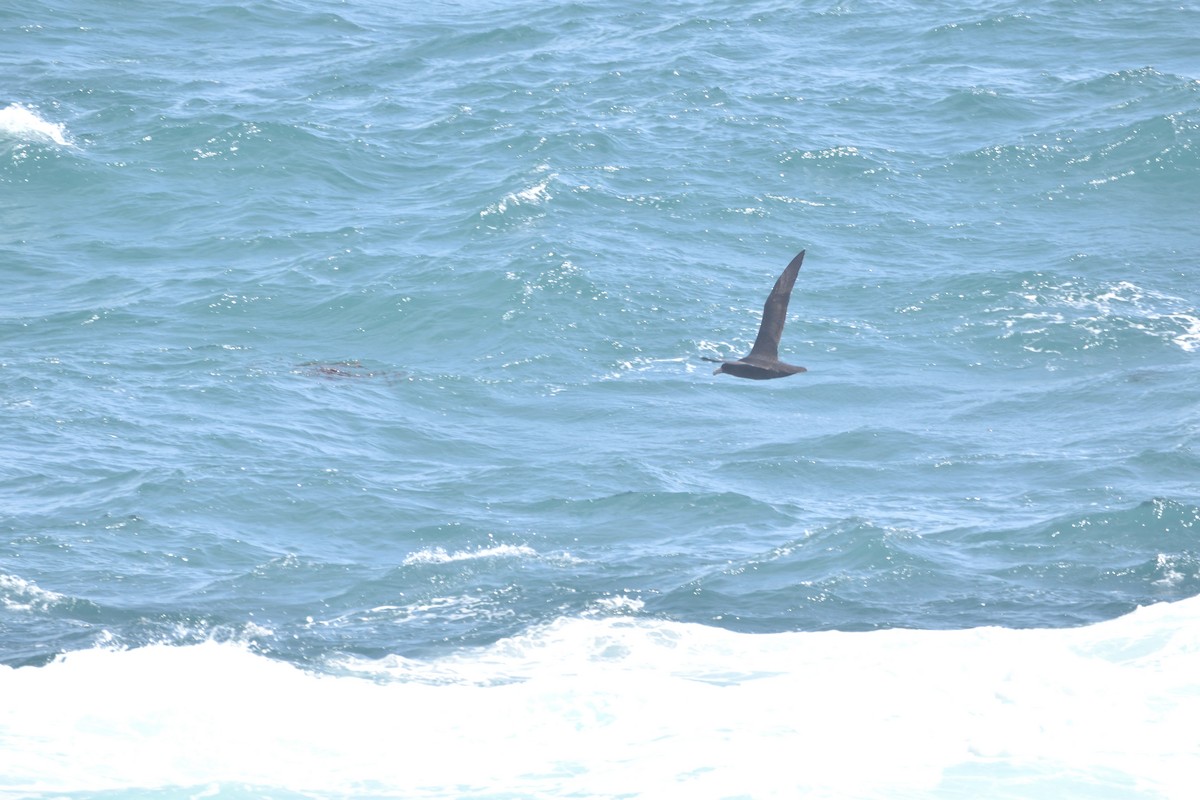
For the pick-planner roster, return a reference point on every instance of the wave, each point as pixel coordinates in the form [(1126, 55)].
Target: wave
[(24, 124), (1056, 315), (438, 555), (606, 707), (859, 574), (18, 594), (534, 195)]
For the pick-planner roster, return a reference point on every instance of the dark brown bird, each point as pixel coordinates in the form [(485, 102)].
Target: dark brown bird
[(762, 362)]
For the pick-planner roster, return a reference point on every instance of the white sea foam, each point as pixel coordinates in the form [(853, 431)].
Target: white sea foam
[(1189, 338), (534, 195), (437, 555), (618, 604), (19, 122), (18, 594), (618, 707), (1097, 312)]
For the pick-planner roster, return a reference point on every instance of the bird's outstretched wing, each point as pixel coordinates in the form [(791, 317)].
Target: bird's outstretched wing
[(775, 313)]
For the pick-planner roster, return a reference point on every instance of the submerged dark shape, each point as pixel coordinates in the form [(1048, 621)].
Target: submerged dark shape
[(762, 362), (335, 370)]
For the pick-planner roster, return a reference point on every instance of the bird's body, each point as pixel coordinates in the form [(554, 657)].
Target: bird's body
[(762, 362), (745, 368)]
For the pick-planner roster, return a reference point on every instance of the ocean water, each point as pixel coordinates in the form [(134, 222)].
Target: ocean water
[(357, 441)]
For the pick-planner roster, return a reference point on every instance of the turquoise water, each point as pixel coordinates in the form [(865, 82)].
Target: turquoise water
[(351, 366)]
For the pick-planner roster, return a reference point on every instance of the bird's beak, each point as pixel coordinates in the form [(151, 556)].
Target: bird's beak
[(719, 370)]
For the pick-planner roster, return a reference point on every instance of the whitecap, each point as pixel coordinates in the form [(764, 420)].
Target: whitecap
[(1189, 339), (1096, 314), (534, 195), (438, 555), (18, 594), (20, 122), (614, 706), (616, 604)]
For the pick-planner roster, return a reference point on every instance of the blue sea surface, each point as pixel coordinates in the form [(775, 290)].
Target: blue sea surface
[(357, 438)]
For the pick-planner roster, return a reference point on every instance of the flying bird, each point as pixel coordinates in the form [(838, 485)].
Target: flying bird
[(762, 362)]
